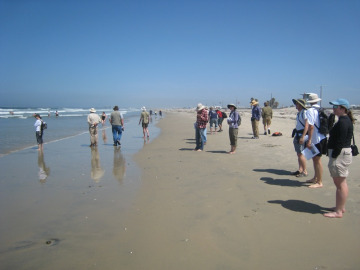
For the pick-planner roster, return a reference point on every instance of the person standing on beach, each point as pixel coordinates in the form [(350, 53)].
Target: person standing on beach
[(117, 125), (213, 120), (220, 118), (300, 136), (255, 118), (340, 155), (233, 127), (202, 117), (93, 120), (144, 120), (315, 138), (103, 118), (266, 114), (38, 131)]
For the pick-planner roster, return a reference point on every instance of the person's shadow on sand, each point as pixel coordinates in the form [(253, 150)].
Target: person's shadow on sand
[(218, 152), (301, 206), (282, 182), (274, 171)]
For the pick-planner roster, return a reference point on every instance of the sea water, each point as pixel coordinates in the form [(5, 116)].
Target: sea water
[(18, 132)]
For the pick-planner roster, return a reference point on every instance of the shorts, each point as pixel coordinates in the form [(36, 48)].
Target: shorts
[(267, 121), (298, 147), (233, 133), (338, 167), (39, 138), (322, 147), (214, 121), (145, 125)]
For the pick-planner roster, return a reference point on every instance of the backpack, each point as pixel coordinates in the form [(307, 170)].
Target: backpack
[(43, 125), (324, 122), (239, 120), (224, 115)]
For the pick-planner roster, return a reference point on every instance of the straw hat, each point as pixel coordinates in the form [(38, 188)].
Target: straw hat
[(200, 107), (92, 110), (300, 101), (231, 105), (254, 102), (313, 98)]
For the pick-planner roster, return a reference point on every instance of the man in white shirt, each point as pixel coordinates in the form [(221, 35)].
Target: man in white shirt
[(315, 138)]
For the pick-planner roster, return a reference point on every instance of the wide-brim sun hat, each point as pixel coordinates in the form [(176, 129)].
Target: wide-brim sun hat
[(143, 108), (300, 101), (92, 110), (254, 102), (313, 98), (231, 105), (200, 107), (341, 102)]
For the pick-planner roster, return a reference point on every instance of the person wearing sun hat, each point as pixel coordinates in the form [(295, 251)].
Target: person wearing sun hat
[(339, 152), (300, 136), (144, 120), (93, 120), (315, 138), (255, 118), (202, 118), (233, 127)]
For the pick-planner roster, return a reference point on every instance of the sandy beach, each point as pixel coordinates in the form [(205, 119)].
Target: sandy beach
[(169, 207)]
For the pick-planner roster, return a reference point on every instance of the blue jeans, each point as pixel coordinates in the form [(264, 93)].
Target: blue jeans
[(117, 132), (200, 137)]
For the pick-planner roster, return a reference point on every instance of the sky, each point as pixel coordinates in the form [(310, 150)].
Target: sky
[(134, 53)]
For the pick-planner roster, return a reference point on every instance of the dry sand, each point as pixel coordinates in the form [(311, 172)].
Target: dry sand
[(212, 210)]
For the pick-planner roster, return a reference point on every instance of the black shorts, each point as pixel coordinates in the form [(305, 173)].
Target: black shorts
[(322, 147)]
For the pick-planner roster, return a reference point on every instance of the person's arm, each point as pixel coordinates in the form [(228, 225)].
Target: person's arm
[(306, 128)]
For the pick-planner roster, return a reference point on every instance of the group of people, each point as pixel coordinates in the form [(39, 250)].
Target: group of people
[(116, 120), (307, 135)]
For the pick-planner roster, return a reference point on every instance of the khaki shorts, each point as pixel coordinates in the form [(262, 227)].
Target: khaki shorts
[(338, 167), (267, 121)]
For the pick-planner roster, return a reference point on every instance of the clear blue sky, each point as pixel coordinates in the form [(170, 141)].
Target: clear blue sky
[(176, 53)]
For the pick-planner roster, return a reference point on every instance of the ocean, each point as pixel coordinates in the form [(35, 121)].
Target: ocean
[(18, 132)]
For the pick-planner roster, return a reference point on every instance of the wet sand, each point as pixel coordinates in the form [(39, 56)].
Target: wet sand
[(173, 208)]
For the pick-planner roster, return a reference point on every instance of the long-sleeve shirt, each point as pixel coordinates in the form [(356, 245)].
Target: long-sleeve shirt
[(233, 119), (340, 135), (255, 113), (202, 118)]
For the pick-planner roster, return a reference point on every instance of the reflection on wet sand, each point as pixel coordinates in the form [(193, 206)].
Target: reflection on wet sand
[(119, 165), (96, 171), (44, 171), (104, 135)]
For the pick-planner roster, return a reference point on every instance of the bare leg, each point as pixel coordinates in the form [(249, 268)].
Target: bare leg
[(342, 192), (318, 172), (302, 163)]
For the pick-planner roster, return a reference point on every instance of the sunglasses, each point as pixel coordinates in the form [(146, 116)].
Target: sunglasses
[(335, 106)]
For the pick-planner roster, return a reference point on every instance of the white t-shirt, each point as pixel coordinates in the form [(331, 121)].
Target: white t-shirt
[(312, 116)]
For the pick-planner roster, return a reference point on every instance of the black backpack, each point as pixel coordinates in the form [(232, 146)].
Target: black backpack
[(324, 122), (43, 125)]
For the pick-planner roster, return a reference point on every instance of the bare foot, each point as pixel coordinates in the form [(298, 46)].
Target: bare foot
[(312, 181), (199, 150), (316, 185), (333, 215), (231, 152), (334, 209)]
